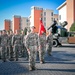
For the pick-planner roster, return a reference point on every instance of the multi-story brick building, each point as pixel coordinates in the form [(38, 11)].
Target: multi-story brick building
[(7, 24), (25, 23), (45, 14), (67, 12), (18, 23)]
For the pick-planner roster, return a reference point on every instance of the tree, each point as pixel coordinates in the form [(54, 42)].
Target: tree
[(72, 28)]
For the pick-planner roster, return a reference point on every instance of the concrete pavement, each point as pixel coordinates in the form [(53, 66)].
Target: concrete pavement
[(62, 62)]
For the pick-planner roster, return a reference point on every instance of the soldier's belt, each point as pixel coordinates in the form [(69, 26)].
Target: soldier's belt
[(32, 45)]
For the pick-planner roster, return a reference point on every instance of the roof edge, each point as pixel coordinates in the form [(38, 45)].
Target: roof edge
[(61, 5)]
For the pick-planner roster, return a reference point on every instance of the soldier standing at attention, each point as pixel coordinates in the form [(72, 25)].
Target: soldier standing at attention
[(0, 43), (32, 44), (42, 39), (24, 41), (10, 48), (16, 41), (49, 43), (0, 36), (24, 52), (4, 44)]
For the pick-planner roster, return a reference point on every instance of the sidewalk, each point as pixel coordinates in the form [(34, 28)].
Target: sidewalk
[(62, 62)]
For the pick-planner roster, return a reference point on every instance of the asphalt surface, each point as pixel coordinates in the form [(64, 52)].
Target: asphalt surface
[(62, 62)]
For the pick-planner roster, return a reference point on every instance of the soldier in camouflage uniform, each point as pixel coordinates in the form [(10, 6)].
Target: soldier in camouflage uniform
[(32, 44), (24, 52), (4, 44), (0, 43), (10, 48), (49, 43), (42, 49), (24, 41), (16, 41)]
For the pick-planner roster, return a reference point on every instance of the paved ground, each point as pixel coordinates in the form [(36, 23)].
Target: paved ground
[(62, 62)]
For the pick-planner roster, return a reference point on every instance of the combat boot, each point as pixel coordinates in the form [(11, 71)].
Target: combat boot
[(34, 68), (16, 59), (49, 54), (11, 59), (30, 68), (4, 60), (42, 62)]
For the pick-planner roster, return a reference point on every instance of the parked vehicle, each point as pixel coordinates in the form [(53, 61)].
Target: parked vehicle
[(61, 35)]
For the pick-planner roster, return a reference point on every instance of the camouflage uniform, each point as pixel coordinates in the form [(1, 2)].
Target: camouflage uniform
[(49, 43), (32, 44), (10, 48), (24, 50), (42, 39), (16, 40), (4, 44), (0, 43)]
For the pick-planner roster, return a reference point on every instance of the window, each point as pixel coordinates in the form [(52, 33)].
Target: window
[(44, 18), (51, 13), (27, 20), (45, 24), (59, 17), (44, 13), (27, 24), (41, 14), (52, 19)]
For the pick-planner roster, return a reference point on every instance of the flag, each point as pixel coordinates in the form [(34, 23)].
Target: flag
[(41, 28)]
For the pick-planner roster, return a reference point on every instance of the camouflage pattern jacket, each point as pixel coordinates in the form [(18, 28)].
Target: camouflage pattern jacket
[(32, 40), (4, 40), (16, 39)]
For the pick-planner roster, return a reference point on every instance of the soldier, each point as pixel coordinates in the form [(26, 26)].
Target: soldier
[(8, 33), (0, 36), (10, 48), (4, 43), (0, 43), (24, 50), (42, 39), (32, 44), (16, 41), (49, 43), (24, 41)]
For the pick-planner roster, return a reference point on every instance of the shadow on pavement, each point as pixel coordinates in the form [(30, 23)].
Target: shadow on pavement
[(67, 46), (10, 68), (65, 70)]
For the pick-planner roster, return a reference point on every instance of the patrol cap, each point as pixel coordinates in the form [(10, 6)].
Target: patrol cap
[(4, 30), (32, 27)]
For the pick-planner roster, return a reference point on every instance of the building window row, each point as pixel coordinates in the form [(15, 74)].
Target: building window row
[(51, 13), (44, 13), (37, 8)]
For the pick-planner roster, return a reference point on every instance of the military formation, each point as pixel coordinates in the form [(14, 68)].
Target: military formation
[(13, 46)]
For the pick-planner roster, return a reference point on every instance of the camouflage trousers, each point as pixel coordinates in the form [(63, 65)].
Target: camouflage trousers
[(24, 52), (0, 52), (32, 55), (3, 53), (10, 52), (16, 50), (49, 48), (42, 53)]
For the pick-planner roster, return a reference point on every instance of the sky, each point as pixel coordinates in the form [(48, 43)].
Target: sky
[(9, 8)]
